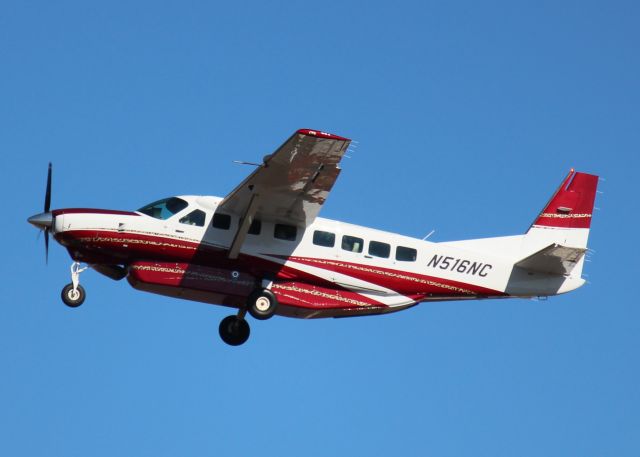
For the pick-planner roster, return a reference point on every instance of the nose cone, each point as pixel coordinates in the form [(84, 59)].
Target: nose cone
[(42, 220)]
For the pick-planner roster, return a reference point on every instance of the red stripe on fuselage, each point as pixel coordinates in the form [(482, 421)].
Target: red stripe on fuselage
[(305, 295), (403, 282), (59, 212), (111, 247)]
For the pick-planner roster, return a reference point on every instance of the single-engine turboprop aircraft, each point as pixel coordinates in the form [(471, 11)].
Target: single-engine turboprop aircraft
[(263, 249)]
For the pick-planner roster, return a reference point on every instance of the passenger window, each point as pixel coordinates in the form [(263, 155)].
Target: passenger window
[(326, 239), (285, 232), (196, 217), (379, 249), (255, 227), (352, 243), (221, 221), (406, 254)]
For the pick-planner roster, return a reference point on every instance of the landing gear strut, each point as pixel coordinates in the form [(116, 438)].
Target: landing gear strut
[(73, 294)]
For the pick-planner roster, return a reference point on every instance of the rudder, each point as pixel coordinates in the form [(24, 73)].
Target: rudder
[(572, 204)]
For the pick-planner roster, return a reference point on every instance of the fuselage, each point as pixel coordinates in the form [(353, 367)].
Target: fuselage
[(326, 269)]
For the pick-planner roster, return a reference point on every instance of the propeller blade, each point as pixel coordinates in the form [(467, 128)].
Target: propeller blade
[(46, 246), (47, 195)]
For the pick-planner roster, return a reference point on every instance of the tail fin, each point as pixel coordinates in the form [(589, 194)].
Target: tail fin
[(557, 240), (550, 257), (571, 206)]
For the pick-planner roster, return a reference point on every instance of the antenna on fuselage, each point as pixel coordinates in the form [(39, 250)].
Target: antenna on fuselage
[(429, 234)]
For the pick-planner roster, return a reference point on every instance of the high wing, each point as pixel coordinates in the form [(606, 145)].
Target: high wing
[(290, 186)]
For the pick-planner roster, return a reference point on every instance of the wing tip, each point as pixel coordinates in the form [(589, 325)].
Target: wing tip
[(321, 134)]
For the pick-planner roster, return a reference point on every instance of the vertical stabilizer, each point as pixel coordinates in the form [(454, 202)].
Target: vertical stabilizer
[(554, 247), (566, 219), (572, 204)]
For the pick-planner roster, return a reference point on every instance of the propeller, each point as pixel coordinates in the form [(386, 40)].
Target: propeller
[(47, 195), (47, 206), (44, 220)]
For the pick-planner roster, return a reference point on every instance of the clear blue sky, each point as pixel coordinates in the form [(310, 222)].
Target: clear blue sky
[(468, 115)]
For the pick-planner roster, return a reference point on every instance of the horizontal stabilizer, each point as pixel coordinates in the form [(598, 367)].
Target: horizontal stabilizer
[(554, 259)]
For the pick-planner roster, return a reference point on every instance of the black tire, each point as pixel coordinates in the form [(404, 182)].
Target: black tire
[(262, 304), (234, 330), (73, 299)]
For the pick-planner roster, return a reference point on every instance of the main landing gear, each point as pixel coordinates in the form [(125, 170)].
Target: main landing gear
[(261, 304), (234, 330), (73, 294)]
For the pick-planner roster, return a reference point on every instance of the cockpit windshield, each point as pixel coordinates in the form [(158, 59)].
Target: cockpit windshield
[(165, 208)]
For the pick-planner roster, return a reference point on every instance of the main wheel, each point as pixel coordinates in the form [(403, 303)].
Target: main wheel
[(262, 304), (73, 298), (234, 330)]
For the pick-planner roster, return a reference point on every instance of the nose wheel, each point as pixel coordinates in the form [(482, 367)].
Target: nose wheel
[(73, 297), (73, 294)]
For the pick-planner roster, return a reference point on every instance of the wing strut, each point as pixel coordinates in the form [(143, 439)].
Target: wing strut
[(243, 228)]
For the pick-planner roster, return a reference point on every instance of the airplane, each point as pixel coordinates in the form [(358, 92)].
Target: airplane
[(263, 250)]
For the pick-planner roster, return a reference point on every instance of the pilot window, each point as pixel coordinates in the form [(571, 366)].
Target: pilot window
[(285, 232), (352, 243), (378, 249), (221, 221), (165, 208), (196, 217), (405, 254), (326, 239)]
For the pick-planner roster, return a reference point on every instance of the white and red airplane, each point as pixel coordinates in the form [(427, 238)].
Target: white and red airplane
[(263, 249)]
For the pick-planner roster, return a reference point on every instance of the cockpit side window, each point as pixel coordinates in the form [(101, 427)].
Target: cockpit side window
[(196, 217), (165, 208)]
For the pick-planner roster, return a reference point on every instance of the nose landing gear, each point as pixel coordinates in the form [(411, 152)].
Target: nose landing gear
[(73, 294)]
